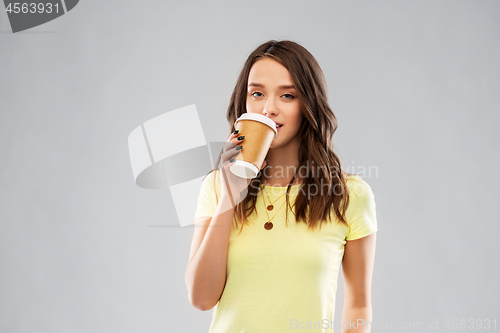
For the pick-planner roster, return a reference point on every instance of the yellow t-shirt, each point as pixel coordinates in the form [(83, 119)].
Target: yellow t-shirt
[(285, 279)]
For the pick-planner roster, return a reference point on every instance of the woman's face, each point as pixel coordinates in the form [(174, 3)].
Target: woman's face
[(270, 92)]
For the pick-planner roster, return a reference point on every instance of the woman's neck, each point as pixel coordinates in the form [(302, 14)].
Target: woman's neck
[(283, 163)]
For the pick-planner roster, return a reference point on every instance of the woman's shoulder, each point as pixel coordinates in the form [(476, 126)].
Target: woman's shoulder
[(211, 174), (353, 178), (361, 211), (211, 178), (358, 185)]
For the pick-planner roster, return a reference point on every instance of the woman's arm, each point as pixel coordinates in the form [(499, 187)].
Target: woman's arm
[(357, 265), (206, 271)]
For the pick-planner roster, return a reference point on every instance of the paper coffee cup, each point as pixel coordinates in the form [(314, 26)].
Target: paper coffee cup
[(259, 132)]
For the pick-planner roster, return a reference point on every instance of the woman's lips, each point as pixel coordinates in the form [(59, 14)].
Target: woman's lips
[(278, 128)]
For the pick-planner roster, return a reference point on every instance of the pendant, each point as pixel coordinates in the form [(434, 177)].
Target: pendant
[(268, 225), (270, 207)]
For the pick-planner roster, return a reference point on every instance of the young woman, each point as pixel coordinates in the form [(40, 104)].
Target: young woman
[(265, 269)]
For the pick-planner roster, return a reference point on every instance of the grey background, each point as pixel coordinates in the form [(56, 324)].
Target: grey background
[(414, 85)]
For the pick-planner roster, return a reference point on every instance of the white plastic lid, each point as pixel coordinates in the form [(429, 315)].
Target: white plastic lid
[(244, 169), (258, 117)]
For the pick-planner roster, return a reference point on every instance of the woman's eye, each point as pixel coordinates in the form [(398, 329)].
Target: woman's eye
[(287, 96)]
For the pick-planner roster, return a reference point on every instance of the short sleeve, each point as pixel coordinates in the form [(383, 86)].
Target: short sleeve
[(206, 198), (361, 215)]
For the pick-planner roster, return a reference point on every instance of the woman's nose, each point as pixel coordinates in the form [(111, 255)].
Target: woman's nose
[(269, 108)]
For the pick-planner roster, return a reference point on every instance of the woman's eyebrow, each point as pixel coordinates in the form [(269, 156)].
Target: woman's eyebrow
[(253, 84)]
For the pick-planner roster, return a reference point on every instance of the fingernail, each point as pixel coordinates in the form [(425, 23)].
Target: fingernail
[(239, 147), (241, 137), (233, 160), (236, 132)]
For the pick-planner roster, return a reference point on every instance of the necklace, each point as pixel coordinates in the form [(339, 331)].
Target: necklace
[(269, 224), (271, 204)]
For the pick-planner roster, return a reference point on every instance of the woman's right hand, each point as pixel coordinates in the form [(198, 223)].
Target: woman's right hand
[(233, 186)]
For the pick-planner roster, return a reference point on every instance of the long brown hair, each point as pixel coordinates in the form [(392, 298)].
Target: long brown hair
[(315, 134)]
